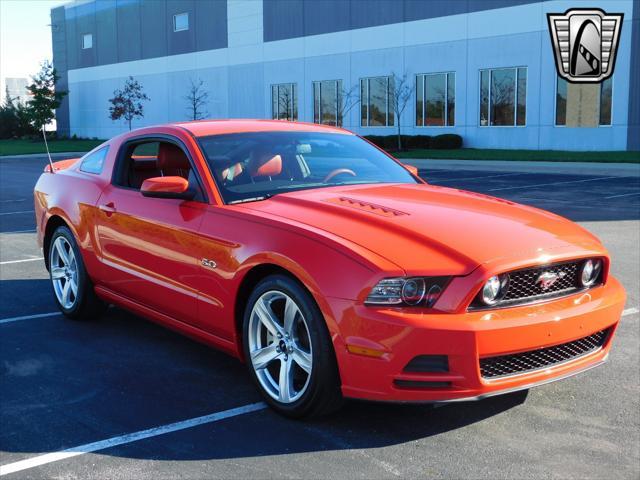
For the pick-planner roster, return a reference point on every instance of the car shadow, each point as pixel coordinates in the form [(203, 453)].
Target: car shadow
[(67, 383)]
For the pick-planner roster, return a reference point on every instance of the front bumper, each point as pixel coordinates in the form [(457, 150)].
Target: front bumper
[(402, 334)]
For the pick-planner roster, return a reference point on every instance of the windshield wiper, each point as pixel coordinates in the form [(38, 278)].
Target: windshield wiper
[(252, 199)]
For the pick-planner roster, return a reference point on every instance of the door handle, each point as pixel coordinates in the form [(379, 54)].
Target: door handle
[(108, 208)]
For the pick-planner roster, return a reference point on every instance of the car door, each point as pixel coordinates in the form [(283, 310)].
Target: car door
[(148, 246)]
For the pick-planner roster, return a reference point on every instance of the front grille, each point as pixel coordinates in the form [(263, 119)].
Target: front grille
[(525, 286), (505, 365)]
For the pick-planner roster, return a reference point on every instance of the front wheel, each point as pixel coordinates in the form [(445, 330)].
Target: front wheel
[(72, 286), (289, 351)]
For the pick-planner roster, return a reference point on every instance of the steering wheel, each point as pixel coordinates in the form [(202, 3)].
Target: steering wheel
[(338, 171)]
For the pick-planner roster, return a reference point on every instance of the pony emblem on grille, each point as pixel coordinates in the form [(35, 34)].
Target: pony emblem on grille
[(547, 279)]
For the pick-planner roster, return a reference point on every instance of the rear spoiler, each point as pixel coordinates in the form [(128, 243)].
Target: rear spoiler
[(61, 165)]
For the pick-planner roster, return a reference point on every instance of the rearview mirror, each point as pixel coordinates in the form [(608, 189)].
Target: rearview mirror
[(167, 187), (411, 168)]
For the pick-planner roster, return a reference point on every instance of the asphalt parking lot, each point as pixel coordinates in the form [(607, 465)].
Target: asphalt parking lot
[(73, 391)]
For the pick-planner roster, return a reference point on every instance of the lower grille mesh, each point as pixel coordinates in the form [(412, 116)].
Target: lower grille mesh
[(494, 367)]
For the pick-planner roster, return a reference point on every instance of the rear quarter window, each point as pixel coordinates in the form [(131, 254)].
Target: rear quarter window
[(94, 162)]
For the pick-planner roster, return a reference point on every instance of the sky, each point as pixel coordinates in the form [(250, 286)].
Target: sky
[(25, 37)]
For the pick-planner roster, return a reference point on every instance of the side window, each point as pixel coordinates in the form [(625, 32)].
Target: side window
[(94, 162), (149, 159)]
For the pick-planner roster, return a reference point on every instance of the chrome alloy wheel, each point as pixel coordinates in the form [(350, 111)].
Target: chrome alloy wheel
[(280, 346), (64, 272)]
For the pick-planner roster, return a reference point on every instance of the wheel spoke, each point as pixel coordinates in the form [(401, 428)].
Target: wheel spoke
[(262, 357), (57, 273), (72, 261), (290, 312), (285, 382), (303, 359), (74, 287), (65, 293), (62, 253), (268, 318)]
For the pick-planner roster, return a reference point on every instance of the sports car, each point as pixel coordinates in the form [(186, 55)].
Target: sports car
[(332, 270)]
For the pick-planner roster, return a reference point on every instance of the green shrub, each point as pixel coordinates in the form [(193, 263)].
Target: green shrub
[(446, 141), (417, 141)]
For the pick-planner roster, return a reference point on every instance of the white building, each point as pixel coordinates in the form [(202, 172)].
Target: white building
[(481, 69)]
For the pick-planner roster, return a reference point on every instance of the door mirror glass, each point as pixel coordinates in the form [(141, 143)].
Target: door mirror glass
[(167, 187), (411, 168)]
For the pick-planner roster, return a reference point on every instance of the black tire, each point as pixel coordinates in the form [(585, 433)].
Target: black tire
[(86, 305), (323, 394)]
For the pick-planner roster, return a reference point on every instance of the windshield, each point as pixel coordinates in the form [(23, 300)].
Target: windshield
[(257, 165)]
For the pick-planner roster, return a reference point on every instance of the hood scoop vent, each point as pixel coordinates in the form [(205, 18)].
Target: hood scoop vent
[(366, 207)]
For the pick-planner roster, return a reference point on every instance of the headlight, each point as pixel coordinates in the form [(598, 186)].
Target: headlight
[(590, 272), (412, 291), (494, 289)]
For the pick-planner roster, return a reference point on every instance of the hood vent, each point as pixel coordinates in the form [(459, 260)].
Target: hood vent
[(367, 207)]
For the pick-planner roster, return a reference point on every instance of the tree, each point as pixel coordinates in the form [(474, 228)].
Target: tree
[(44, 96), (127, 103), (401, 91), (348, 99), (197, 100), (8, 117), (15, 120)]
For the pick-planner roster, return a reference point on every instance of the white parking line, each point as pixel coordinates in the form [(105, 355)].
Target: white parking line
[(28, 317), (128, 438), (20, 231), (436, 180), (22, 261), (630, 311), (16, 213), (553, 183), (623, 195)]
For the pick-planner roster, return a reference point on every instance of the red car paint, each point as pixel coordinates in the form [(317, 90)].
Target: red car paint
[(146, 255)]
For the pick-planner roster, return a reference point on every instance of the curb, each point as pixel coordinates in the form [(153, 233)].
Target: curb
[(573, 168), (55, 156)]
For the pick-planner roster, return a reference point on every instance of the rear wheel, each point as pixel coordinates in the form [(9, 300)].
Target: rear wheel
[(289, 351), (72, 288)]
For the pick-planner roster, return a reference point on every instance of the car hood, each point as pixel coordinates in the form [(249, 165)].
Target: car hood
[(423, 228)]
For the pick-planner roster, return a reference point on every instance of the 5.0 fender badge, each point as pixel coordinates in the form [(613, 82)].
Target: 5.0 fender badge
[(209, 263)]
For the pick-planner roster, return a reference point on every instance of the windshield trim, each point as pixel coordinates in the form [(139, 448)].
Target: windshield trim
[(267, 196)]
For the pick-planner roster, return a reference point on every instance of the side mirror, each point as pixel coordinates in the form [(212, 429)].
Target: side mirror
[(167, 187), (411, 168)]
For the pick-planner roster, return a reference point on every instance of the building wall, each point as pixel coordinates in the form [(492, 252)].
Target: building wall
[(281, 41)]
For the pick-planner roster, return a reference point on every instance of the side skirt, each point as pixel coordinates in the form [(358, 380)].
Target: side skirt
[(165, 320)]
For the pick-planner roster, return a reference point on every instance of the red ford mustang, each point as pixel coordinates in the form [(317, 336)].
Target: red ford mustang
[(332, 270)]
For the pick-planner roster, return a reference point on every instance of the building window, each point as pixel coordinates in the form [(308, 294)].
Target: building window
[(284, 101), (503, 97), (87, 41), (376, 96), (181, 22), (327, 102), (583, 105), (435, 100)]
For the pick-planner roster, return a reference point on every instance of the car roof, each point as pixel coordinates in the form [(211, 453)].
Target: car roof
[(202, 128)]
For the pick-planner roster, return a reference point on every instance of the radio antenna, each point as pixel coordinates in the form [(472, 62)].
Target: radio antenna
[(46, 146)]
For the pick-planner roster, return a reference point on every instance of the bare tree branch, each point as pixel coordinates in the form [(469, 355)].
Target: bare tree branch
[(348, 99), (197, 100), (401, 91)]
